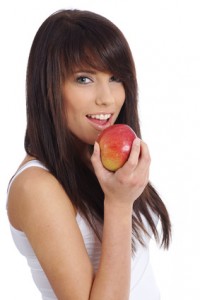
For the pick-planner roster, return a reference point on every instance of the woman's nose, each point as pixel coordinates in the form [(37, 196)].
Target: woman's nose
[(104, 95)]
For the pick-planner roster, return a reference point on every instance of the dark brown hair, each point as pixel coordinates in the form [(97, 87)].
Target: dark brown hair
[(66, 40)]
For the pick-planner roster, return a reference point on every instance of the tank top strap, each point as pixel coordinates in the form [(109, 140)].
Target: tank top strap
[(31, 163)]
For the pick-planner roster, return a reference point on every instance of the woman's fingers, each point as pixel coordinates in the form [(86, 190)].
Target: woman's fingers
[(129, 181), (145, 158), (96, 161), (95, 156), (133, 159), (139, 159), (136, 169)]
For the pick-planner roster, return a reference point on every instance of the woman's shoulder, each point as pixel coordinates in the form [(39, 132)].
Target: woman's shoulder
[(31, 174), (33, 188)]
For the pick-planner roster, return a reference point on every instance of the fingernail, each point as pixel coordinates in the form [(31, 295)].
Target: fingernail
[(95, 147), (137, 141)]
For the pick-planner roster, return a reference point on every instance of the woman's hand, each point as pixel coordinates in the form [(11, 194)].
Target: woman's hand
[(127, 183)]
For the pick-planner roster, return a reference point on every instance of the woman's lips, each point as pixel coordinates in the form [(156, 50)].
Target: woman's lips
[(100, 121)]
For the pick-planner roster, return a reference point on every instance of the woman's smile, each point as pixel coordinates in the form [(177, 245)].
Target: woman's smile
[(100, 121), (93, 101)]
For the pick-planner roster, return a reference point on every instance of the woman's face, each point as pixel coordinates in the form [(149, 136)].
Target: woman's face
[(93, 101)]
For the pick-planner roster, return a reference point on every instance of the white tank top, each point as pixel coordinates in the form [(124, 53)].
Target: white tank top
[(143, 285)]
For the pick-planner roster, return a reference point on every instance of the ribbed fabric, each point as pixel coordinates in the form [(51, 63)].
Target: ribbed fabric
[(143, 286)]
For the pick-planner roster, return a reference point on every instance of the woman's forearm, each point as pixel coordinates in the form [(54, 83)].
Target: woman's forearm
[(112, 280)]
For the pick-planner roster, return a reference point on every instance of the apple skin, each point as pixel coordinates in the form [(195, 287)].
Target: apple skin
[(115, 144)]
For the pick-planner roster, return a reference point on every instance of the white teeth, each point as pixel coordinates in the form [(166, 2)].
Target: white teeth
[(100, 117)]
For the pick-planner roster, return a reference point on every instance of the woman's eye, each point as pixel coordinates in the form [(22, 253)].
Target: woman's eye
[(116, 79), (83, 80)]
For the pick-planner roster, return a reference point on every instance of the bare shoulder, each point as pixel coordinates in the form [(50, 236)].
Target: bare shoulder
[(39, 206), (35, 189)]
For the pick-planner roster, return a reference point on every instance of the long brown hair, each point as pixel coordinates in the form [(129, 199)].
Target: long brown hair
[(66, 40)]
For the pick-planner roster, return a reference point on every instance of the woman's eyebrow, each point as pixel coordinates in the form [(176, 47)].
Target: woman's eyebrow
[(93, 72)]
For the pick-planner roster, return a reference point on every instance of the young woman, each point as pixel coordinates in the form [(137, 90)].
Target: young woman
[(85, 231)]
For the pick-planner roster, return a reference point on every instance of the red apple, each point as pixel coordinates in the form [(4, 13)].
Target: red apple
[(115, 145)]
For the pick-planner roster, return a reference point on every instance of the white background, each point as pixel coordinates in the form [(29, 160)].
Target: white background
[(164, 38)]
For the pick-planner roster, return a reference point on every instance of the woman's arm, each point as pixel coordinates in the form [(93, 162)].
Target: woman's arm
[(121, 189), (39, 206)]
